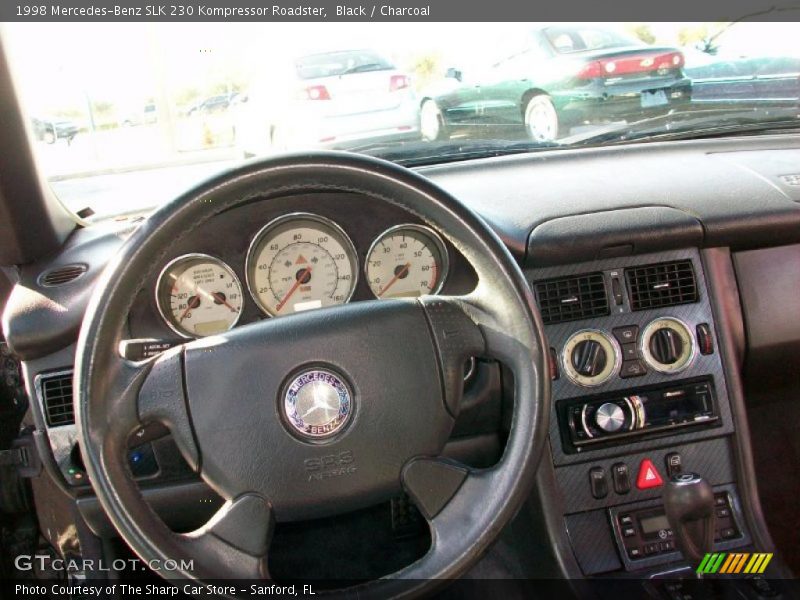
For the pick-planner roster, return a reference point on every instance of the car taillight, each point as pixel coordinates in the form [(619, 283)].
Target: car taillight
[(673, 60), (591, 70), (399, 82), (317, 92), (625, 65)]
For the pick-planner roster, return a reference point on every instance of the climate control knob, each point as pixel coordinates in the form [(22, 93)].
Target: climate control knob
[(589, 358), (668, 345), (609, 417)]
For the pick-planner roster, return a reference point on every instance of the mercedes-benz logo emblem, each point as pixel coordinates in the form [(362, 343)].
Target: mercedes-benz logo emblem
[(317, 403)]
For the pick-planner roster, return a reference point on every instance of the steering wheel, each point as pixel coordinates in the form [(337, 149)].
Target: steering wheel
[(390, 369)]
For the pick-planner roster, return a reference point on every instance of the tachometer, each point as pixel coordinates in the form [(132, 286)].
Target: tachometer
[(406, 261), (199, 295), (301, 262)]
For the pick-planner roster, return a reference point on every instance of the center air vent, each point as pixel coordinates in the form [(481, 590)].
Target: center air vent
[(664, 284), (61, 275), (57, 399), (572, 298)]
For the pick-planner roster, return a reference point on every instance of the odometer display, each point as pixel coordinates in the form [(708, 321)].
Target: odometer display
[(406, 261), (301, 262)]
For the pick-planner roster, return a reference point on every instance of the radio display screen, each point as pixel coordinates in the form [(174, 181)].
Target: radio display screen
[(653, 524), (676, 405)]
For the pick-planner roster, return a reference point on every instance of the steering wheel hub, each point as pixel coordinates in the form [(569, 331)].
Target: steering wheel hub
[(317, 404)]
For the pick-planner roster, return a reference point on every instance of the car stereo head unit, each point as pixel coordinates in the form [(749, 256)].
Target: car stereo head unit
[(613, 418)]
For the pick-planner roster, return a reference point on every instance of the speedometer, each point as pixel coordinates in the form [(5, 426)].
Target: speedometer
[(406, 261), (199, 295), (300, 262)]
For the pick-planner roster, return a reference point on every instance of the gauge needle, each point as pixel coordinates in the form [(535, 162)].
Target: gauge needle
[(300, 278), (392, 281), (191, 304), (220, 298)]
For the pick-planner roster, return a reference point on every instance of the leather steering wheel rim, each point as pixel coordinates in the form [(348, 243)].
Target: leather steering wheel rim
[(466, 508)]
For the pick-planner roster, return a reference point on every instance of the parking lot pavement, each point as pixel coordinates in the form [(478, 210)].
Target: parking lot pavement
[(190, 140), (131, 191)]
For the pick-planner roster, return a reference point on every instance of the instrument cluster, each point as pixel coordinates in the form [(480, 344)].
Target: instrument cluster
[(297, 262)]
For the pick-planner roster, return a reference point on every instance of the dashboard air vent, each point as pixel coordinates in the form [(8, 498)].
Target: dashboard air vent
[(572, 298), (664, 284), (57, 399), (61, 275)]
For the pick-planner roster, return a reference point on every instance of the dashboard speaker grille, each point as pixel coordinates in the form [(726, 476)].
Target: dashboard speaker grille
[(572, 298), (61, 275), (57, 399), (663, 284)]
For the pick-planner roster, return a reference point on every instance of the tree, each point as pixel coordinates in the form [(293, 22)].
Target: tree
[(643, 32)]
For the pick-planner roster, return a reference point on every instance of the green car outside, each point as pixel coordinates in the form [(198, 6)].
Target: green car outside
[(561, 77)]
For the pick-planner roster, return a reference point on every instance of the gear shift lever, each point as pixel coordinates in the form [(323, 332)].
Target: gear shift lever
[(689, 504)]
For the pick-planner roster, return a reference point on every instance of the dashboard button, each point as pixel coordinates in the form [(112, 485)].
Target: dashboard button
[(621, 477), (632, 368), (628, 532), (629, 352), (626, 520), (626, 334), (616, 290), (554, 372), (704, 339), (598, 482), (634, 553), (674, 463), (648, 476)]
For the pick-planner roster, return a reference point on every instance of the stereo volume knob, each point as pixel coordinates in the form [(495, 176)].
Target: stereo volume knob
[(610, 417), (589, 358)]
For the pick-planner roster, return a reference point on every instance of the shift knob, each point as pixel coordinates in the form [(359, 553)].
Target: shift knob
[(689, 504)]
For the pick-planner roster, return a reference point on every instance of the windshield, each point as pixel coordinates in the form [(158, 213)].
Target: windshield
[(125, 116)]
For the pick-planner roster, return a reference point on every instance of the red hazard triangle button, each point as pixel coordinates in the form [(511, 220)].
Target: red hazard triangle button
[(648, 476)]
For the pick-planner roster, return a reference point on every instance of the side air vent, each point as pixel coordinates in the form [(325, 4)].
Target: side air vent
[(57, 399), (61, 275), (664, 284), (572, 298)]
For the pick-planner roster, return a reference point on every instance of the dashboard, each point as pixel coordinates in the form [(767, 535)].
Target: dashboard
[(637, 266)]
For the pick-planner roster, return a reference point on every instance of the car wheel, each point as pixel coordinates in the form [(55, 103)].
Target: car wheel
[(431, 122), (49, 137), (541, 119)]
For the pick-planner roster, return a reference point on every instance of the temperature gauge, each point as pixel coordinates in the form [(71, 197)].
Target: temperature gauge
[(405, 262), (199, 295)]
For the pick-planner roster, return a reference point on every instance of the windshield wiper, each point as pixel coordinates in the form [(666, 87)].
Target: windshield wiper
[(417, 154), (691, 124)]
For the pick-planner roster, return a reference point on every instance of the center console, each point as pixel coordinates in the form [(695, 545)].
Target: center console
[(638, 394)]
